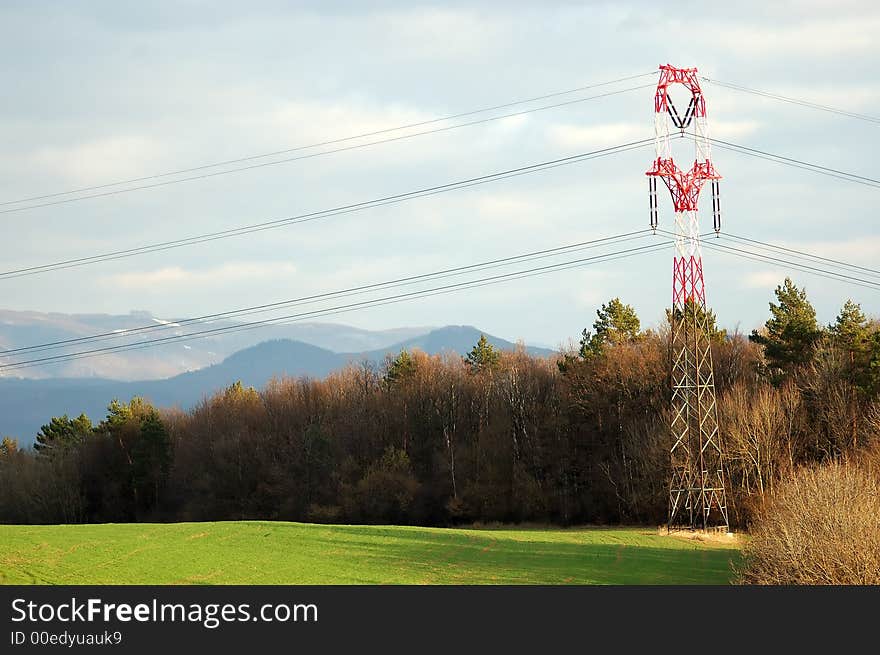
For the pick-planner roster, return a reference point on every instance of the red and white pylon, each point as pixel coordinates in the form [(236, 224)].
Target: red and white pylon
[(697, 497)]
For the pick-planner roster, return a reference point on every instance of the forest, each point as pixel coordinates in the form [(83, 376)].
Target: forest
[(579, 438)]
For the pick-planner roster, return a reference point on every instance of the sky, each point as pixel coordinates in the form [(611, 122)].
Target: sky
[(100, 92)]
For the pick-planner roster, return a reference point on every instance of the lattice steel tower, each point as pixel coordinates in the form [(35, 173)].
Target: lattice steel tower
[(697, 497)]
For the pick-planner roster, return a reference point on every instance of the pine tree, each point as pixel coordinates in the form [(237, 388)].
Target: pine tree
[(851, 333), (141, 450), (151, 459), (483, 356), (62, 433), (872, 372), (700, 317), (400, 368), (850, 330), (616, 323), (791, 332), (117, 414)]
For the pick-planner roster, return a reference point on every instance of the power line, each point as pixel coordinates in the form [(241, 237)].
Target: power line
[(325, 213), (797, 163), (411, 279), (530, 256), (357, 146), (790, 161), (757, 256), (842, 264), (796, 101), (479, 282), (831, 275), (353, 137), (393, 199)]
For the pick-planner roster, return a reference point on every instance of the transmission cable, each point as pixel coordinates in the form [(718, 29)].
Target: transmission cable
[(325, 213), (738, 252), (801, 253), (484, 281), (300, 157), (412, 279), (832, 275), (326, 143), (797, 163), (822, 272), (796, 101), (345, 209)]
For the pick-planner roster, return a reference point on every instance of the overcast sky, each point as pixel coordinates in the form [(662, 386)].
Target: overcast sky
[(102, 91)]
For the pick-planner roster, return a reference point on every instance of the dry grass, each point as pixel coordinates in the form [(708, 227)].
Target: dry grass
[(707, 536), (821, 527)]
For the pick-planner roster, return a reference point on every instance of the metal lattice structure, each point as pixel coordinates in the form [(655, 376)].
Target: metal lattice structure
[(697, 496)]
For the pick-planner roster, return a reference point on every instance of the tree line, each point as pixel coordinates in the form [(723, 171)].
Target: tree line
[(490, 437)]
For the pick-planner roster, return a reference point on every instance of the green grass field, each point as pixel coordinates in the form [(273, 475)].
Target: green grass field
[(256, 552)]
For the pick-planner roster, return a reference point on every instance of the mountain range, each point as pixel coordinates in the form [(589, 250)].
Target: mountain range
[(20, 329), (28, 403)]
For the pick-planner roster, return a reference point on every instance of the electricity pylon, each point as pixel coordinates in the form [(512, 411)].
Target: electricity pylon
[(697, 496)]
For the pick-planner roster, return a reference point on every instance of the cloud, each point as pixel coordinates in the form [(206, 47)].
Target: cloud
[(442, 33), (511, 123), (569, 137), (99, 160), (292, 126), (832, 92), (733, 129), (579, 136), (315, 121), (829, 36), (763, 279), (510, 210), (862, 250), (270, 79), (589, 288), (176, 278)]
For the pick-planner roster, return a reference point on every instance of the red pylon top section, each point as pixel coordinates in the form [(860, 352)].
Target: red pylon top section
[(687, 77), (683, 186)]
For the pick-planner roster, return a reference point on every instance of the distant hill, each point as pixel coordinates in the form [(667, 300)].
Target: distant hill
[(458, 339), (254, 366), (26, 404), (18, 329)]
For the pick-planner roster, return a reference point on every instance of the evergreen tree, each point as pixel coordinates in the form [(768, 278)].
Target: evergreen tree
[(850, 330), (400, 368), (701, 317), (138, 457), (483, 356), (616, 323), (117, 414), (851, 333), (872, 369), (151, 459), (791, 332), (61, 433)]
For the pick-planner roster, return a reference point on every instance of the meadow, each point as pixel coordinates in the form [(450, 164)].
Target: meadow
[(258, 552)]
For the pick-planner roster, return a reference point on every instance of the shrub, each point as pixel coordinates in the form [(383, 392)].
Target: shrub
[(822, 526)]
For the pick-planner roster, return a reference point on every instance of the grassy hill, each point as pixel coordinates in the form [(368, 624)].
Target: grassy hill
[(256, 552)]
